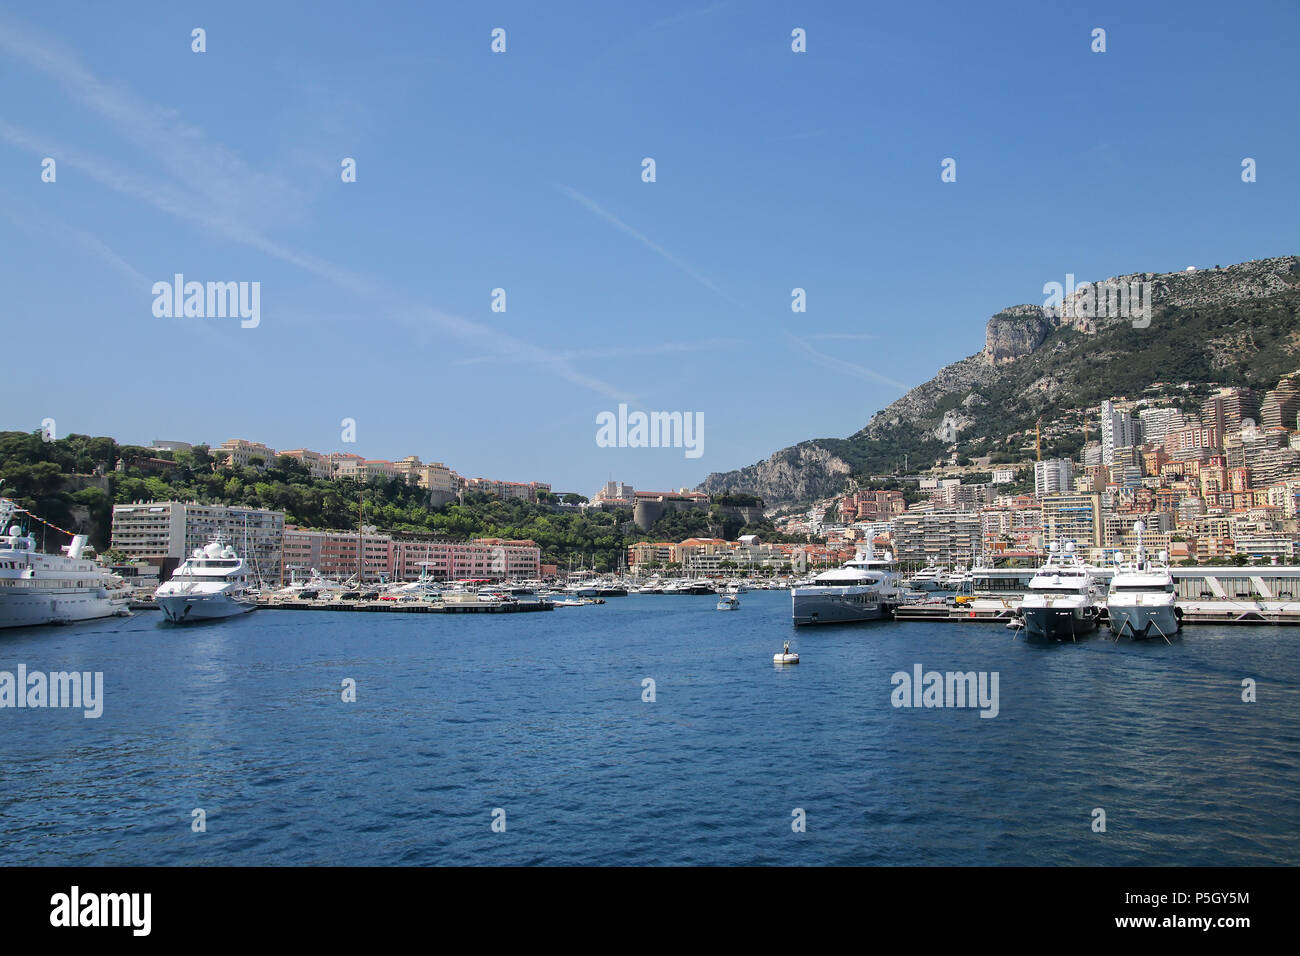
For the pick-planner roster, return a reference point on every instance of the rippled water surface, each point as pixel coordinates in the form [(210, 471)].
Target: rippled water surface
[(542, 715)]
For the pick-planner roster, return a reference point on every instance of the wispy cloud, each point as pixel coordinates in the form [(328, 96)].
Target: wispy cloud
[(635, 351), (646, 241), (689, 15), (829, 361), (849, 368), (213, 187), (617, 47), (32, 218)]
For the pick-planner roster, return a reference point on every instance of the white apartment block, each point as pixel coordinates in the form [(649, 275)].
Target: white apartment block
[(165, 532), (1053, 476), (1117, 429)]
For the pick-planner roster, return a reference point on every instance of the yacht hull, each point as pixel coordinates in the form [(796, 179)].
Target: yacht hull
[(183, 608), (837, 608), (928, 586), (1143, 622), (1058, 624), (27, 608)]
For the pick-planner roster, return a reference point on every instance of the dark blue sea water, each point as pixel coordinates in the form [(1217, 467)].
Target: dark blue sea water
[(542, 715)]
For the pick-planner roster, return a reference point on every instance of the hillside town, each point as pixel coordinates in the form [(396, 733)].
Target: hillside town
[(1217, 483)]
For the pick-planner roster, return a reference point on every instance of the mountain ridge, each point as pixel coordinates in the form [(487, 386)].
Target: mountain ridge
[(1207, 325)]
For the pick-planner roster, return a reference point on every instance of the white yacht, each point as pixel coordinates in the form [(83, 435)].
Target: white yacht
[(958, 580), (38, 588), (1141, 600), (729, 600), (212, 583), (1060, 604), (933, 578), (864, 589), (423, 588), (314, 586)]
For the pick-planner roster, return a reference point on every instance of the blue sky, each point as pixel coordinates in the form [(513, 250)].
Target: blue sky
[(522, 171)]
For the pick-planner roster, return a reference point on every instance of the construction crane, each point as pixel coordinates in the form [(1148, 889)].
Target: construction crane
[(1038, 438)]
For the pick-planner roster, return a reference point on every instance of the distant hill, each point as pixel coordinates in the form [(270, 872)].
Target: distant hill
[(1236, 325)]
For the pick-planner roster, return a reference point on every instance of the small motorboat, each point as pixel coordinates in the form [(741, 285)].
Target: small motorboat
[(729, 602)]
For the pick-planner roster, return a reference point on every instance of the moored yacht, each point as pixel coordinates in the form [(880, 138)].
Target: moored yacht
[(38, 588), (211, 583), (1060, 604), (314, 587), (932, 578), (864, 589), (1141, 600)]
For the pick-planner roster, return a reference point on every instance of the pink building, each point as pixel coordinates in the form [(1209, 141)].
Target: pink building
[(334, 554)]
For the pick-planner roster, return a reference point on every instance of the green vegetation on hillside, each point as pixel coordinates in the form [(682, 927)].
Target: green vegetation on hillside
[(1250, 343), (37, 474)]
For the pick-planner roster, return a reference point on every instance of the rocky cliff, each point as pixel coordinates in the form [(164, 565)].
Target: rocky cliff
[(803, 472), (1033, 358)]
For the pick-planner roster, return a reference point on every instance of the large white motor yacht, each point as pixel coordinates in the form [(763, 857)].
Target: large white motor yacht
[(1060, 604), (932, 578), (38, 588), (212, 583), (1141, 600), (864, 589)]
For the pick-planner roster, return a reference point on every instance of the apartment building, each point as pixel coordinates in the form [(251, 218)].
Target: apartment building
[(938, 537), (346, 464), (1118, 429), (317, 465), (1053, 476), (245, 454), (438, 479), (1074, 516), (659, 553), (385, 558), (1280, 405), (1229, 407), (165, 532), (506, 490)]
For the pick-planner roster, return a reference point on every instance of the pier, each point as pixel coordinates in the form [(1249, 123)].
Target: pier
[(411, 607), (1206, 612), (954, 613)]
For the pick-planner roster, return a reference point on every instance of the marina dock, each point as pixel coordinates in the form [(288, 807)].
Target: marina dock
[(388, 607), (1218, 612), (411, 607), (933, 611)]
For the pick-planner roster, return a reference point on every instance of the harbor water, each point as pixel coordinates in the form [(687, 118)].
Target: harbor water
[(543, 725)]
